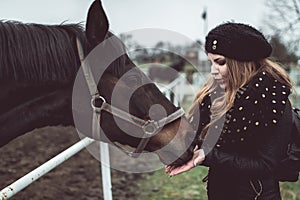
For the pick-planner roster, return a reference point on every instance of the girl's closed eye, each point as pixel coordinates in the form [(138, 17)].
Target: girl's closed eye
[(221, 62)]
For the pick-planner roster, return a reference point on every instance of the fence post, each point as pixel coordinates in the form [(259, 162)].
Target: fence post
[(105, 170)]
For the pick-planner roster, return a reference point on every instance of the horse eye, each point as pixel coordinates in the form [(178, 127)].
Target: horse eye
[(132, 81)]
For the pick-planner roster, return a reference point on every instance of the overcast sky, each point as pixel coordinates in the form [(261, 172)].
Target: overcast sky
[(182, 16)]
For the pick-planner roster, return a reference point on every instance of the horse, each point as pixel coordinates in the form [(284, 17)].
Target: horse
[(167, 73), (38, 68)]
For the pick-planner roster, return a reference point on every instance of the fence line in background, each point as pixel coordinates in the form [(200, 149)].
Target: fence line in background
[(176, 87)]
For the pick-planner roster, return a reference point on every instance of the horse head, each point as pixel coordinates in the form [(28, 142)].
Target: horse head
[(123, 86)]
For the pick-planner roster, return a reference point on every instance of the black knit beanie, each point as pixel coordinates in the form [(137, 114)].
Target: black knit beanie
[(237, 41)]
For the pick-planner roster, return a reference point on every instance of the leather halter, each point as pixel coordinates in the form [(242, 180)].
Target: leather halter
[(149, 127)]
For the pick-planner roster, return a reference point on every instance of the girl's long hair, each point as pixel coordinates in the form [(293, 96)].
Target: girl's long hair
[(239, 73)]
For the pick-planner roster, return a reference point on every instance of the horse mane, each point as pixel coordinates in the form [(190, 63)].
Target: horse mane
[(35, 52)]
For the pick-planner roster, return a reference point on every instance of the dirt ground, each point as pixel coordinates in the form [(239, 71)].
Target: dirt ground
[(77, 178)]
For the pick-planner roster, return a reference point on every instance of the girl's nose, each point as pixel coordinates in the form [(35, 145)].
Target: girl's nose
[(213, 70)]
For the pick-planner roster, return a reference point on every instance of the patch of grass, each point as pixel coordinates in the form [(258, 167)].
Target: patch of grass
[(159, 186), (189, 186), (290, 191)]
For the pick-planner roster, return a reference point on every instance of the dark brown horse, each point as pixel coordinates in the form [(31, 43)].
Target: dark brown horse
[(38, 68)]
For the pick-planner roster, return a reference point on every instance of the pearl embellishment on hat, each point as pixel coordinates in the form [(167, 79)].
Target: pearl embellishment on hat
[(214, 46)]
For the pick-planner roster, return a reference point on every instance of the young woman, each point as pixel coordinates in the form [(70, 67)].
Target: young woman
[(244, 116)]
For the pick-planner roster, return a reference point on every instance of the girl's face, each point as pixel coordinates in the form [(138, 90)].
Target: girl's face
[(219, 69)]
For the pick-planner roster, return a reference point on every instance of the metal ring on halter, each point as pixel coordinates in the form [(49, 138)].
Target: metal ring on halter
[(150, 128), (93, 101)]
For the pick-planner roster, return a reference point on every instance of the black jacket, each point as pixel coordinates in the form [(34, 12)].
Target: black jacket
[(252, 138)]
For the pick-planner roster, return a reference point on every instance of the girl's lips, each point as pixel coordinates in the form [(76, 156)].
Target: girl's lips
[(219, 81)]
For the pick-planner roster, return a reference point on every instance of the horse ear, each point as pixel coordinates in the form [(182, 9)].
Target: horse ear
[(97, 24)]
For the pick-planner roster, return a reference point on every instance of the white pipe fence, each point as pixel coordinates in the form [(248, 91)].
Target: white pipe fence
[(37, 173), (40, 171), (176, 87)]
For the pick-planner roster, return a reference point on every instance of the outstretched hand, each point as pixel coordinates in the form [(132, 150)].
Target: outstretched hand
[(197, 159)]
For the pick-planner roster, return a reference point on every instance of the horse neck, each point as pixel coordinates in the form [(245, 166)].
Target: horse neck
[(25, 107)]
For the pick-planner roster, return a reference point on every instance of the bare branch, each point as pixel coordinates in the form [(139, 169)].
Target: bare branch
[(284, 20), (296, 7)]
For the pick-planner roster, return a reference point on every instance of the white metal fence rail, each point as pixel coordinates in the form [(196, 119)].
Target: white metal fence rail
[(32, 176), (37, 173), (176, 87)]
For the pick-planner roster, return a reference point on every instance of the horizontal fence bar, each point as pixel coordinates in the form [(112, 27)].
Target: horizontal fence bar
[(171, 85), (34, 175)]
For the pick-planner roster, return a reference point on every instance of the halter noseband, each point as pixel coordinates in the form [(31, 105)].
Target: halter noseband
[(149, 127)]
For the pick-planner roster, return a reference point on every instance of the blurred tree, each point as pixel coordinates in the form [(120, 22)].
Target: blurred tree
[(281, 52), (283, 21), (127, 39)]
